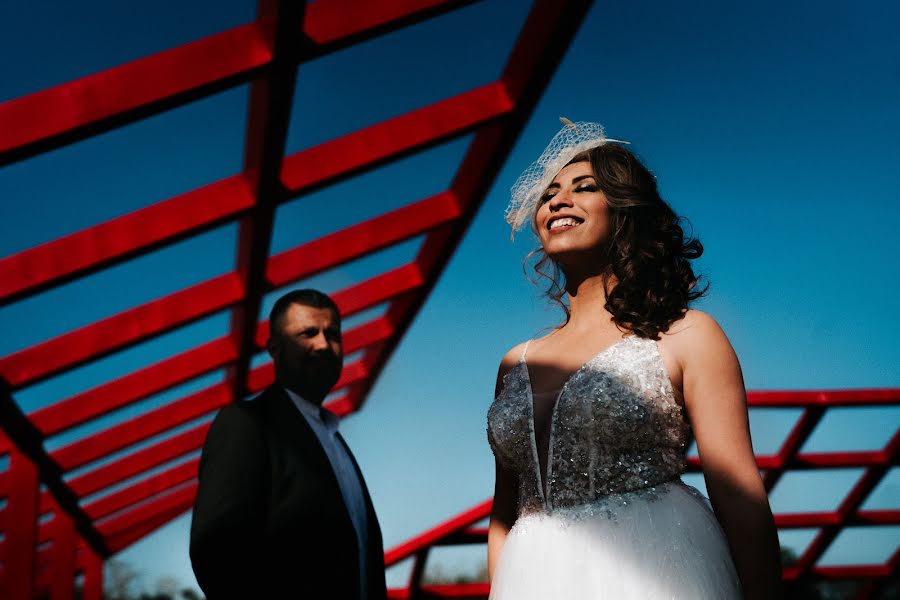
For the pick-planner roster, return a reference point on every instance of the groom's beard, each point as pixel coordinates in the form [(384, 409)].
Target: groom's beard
[(314, 376)]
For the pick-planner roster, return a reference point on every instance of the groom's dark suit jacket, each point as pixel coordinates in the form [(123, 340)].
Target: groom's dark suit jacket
[(269, 520)]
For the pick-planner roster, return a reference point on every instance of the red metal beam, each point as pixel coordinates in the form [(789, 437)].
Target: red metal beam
[(821, 519), (137, 462), (178, 499), (98, 102), (338, 23), (120, 331), (79, 254), (361, 239), (121, 540), (378, 289), (448, 590), (74, 411), (434, 535), (814, 460), (394, 138), (140, 491), (95, 446), (829, 398)]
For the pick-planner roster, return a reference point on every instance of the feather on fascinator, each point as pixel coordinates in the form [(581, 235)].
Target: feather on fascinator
[(572, 139)]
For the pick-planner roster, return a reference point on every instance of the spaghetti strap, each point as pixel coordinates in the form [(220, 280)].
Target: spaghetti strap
[(524, 351)]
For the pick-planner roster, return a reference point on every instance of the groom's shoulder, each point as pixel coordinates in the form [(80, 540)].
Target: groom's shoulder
[(252, 411)]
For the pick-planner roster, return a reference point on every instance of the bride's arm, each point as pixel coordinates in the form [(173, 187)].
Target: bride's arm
[(717, 406), (503, 515), (506, 485)]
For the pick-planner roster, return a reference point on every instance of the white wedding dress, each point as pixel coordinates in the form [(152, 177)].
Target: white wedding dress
[(608, 516)]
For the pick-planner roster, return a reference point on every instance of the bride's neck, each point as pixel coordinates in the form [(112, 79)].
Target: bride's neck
[(587, 299)]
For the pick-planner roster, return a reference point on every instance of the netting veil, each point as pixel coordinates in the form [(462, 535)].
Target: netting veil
[(571, 140)]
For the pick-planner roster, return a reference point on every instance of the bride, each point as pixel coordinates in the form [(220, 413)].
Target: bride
[(590, 423)]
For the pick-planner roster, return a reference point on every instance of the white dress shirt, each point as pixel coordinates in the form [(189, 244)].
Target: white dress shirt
[(325, 425)]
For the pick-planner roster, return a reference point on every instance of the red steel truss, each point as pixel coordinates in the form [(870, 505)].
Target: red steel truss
[(60, 517), (63, 515)]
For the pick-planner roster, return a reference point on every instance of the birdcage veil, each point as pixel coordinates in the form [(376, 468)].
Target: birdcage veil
[(572, 139)]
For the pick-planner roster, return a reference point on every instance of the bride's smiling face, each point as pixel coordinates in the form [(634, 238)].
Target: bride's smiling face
[(572, 215)]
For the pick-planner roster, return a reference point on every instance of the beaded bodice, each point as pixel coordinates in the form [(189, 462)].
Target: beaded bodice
[(615, 428)]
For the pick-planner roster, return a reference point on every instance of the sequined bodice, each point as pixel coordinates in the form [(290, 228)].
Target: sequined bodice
[(615, 428)]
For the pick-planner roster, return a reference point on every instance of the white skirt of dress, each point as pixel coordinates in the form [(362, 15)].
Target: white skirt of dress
[(639, 545)]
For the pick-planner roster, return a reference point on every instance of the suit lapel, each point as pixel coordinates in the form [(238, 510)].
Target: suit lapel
[(303, 439), (370, 508)]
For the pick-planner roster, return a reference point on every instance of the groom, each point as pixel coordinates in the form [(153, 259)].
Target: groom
[(282, 510)]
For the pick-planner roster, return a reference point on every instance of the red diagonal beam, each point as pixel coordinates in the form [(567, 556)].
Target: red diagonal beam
[(338, 23), (435, 534), (361, 239), (87, 251), (120, 331), (140, 491), (394, 138), (378, 289), (110, 98), (96, 446), (801, 431), (179, 498), (134, 387), (120, 541), (850, 505), (131, 495), (137, 462), (129, 530)]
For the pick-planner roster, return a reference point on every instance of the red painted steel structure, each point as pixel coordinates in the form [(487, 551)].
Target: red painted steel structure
[(62, 515)]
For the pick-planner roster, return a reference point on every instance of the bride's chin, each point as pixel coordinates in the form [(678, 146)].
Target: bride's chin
[(571, 255)]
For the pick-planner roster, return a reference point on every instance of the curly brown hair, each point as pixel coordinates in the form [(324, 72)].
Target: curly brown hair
[(648, 253)]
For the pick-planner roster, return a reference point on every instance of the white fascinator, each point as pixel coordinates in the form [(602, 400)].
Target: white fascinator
[(572, 139)]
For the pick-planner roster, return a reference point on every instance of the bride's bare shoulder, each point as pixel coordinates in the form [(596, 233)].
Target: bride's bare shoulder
[(695, 325), (511, 357), (508, 361), (695, 334)]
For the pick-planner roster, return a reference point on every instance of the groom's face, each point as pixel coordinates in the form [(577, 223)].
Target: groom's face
[(307, 350)]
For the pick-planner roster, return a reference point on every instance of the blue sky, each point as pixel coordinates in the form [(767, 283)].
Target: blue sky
[(771, 127)]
